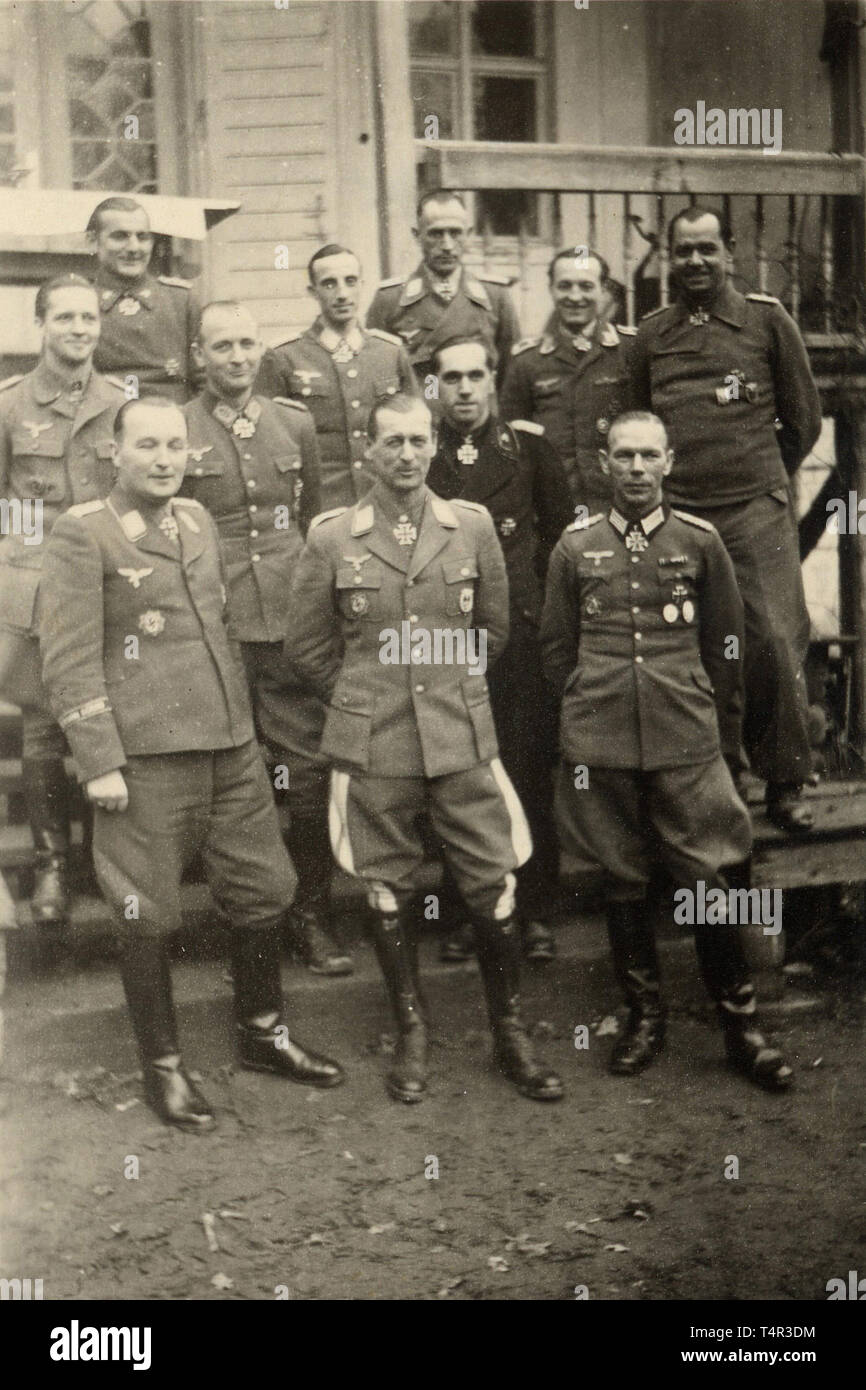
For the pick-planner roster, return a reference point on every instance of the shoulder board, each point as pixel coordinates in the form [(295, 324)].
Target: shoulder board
[(529, 426), (115, 381), (174, 280), (524, 345), (295, 405), (763, 298), (386, 337), (652, 313), (470, 506), (490, 279), (187, 502), (326, 516), (694, 520), (392, 283), (624, 328), (292, 338), (582, 523), (85, 508), (11, 381)]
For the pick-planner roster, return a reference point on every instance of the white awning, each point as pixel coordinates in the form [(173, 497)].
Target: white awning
[(30, 214)]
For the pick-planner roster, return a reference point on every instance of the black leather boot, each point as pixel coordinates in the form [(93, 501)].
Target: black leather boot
[(396, 951), (144, 969), (726, 976), (458, 944), (539, 943), (499, 958), (263, 1038), (46, 791), (309, 927), (632, 942), (788, 809)]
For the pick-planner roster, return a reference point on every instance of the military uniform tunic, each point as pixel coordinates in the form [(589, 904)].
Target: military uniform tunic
[(143, 676), (257, 472), (340, 395), (409, 308), (407, 736), (574, 387), (517, 476), (640, 625), (147, 328), (734, 388), (55, 450)]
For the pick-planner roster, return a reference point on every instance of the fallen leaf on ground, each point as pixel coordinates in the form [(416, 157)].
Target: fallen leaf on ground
[(233, 1215), (623, 1159), (127, 1104), (496, 1263), (608, 1028), (118, 1228), (582, 1227), (222, 1281), (102, 1191), (526, 1246), (452, 1284), (207, 1220), (380, 1230), (617, 1249), (315, 1239)]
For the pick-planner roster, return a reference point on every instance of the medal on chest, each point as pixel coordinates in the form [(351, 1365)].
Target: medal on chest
[(700, 316), (404, 532), (128, 306), (243, 427), (636, 541), (342, 352), (467, 453)]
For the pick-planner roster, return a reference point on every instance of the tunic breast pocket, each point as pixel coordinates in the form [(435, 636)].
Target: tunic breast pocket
[(547, 391), (205, 463), (287, 463), (595, 578), (461, 582), (358, 593), (307, 384), (386, 386), (38, 469)]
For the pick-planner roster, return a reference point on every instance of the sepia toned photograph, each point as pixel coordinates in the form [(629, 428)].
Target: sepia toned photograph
[(433, 660)]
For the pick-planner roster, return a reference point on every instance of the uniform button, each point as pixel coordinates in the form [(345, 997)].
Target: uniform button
[(252, 507), (464, 572), (247, 457), (409, 583), (355, 404), (634, 584), (352, 372), (357, 464), (256, 559), (634, 610), (253, 535), (419, 690), (251, 482), (638, 660), (305, 391), (635, 560), (199, 472), (359, 579), (413, 617), (356, 434), (638, 636)]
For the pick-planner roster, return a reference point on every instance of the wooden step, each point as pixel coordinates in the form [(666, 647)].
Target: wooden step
[(833, 852)]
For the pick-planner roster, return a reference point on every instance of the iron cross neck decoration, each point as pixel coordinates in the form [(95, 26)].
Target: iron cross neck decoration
[(467, 453), (636, 540), (404, 532)]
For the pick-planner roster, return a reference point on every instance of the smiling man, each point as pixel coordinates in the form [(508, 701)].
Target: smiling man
[(418, 738), (148, 321), (146, 683), (573, 379), (55, 450), (339, 370), (641, 612), (729, 375), (442, 299)]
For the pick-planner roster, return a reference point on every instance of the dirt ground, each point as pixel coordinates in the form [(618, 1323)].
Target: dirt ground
[(620, 1188)]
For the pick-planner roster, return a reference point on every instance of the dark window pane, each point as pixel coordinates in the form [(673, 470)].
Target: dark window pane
[(432, 26), (432, 95), (504, 27), (507, 212), (504, 107)]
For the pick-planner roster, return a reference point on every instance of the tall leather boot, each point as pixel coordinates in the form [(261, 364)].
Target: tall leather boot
[(499, 959), (309, 924), (144, 969), (263, 1038), (726, 976), (632, 943), (46, 791), (396, 951)]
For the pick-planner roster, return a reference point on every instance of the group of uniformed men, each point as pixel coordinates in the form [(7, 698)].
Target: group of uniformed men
[(277, 569)]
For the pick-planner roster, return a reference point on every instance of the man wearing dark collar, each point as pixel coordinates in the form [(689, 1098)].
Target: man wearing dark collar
[(511, 469), (640, 634), (254, 464), (442, 299), (573, 379), (55, 450), (399, 604), (338, 370), (147, 684), (148, 321), (729, 375)]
